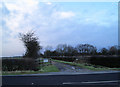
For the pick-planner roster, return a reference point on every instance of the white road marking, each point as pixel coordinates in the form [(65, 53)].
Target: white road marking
[(90, 82), (32, 83), (101, 81)]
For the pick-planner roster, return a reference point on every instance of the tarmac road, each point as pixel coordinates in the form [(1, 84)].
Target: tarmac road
[(61, 80)]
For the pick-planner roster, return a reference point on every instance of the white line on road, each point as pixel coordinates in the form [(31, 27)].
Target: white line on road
[(90, 82), (101, 81)]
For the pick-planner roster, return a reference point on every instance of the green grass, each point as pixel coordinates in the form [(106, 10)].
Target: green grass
[(49, 68), (87, 66), (19, 72)]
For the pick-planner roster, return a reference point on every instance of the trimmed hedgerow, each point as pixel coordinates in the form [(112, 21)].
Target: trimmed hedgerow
[(68, 59), (108, 61), (19, 64)]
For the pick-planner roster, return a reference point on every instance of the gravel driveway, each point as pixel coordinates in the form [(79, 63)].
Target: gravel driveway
[(69, 68)]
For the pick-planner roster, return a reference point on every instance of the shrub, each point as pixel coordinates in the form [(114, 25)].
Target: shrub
[(18, 64)]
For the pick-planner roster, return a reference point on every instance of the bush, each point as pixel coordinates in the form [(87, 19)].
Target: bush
[(18, 64), (108, 61)]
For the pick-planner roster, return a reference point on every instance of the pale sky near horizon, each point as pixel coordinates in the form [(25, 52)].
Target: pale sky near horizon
[(56, 23)]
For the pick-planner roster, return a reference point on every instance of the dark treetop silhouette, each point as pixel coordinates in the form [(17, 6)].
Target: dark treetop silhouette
[(31, 44)]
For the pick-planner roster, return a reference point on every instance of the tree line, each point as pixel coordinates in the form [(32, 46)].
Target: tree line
[(80, 49), (33, 48)]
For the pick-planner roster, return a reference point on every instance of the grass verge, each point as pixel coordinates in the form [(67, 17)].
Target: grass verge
[(49, 68), (87, 66)]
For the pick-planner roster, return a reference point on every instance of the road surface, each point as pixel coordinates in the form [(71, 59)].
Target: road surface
[(66, 68), (69, 68), (109, 79)]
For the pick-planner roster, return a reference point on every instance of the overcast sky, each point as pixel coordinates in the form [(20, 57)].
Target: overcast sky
[(71, 23)]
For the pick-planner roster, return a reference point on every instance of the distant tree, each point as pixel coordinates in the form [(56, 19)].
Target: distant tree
[(55, 53), (61, 48), (49, 48), (86, 49), (47, 53), (69, 51), (31, 44), (104, 51), (66, 50), (113, 50)]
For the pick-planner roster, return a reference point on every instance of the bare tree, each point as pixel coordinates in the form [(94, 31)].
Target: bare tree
[(113, 50), (66, 50), (61, 48), (104, 51), (86, 49)]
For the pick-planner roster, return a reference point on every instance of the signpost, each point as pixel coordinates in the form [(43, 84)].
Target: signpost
[(45, 60)]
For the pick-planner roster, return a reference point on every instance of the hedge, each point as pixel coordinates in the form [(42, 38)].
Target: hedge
[(68, 59), (108, 61), (18, 64)]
